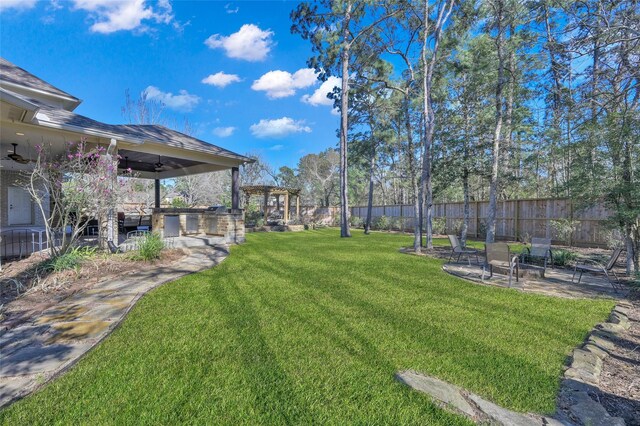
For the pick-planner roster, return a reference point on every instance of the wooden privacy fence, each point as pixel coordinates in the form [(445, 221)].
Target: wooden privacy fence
[(515, 219)]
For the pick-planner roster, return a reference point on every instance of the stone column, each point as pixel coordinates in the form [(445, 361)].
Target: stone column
[(108, 222), (298, 206), (286, 207), (235, 188)]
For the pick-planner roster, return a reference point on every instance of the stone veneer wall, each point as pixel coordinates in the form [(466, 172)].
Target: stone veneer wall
[(230, 225), (15, 178)]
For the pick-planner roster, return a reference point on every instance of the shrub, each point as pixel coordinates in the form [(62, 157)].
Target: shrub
[(150, 247), (614, 238), (439, 225), (564, 228), (457, 226), (564, 257), (380, 223), (356, 221), (69, 260), (295, 220)]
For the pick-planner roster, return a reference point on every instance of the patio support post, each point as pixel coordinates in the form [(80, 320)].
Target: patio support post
[(157, 193), (286, 208), (298, 206), (108, 221), (266, 206), (235, 188)]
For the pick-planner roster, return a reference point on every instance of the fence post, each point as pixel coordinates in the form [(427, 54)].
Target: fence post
[(444, 214), (517, 214), (477, 220), (401, 218)]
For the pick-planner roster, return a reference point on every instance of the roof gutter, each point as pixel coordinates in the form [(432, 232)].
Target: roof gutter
[(69, 98), (30, 109)]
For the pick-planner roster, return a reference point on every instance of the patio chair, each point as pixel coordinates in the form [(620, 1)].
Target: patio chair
[(594, 267), (540, 249), (456, 248), (137, 233), (499, 255)]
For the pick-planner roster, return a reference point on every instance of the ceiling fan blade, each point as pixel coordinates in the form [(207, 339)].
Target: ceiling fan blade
[(17, 157)]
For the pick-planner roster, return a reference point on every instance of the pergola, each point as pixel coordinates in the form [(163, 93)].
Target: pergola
[(269, 190)]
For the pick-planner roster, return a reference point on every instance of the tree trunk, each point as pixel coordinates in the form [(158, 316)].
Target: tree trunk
[(372, 166), (493, 185), (465, 180), (344, 125), (412, 171)]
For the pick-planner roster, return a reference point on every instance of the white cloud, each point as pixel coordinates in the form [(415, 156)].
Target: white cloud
[(183, 101), (319, 97), (55, 5), (111, 16), (280, 84), (249, 43), (16, 4), (276, 147), (224, 132), (221, 79), (228, 8), (278, 128)]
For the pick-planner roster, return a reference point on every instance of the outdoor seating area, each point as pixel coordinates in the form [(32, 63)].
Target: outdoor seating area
[(533, 270)]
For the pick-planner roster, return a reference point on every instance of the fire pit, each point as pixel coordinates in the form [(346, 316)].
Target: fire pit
[(524, 271)]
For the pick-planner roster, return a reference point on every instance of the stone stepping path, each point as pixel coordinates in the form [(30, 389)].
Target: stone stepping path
[(36, 352), (469, 404), (575, 405)]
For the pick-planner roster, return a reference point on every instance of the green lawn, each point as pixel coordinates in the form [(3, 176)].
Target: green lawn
[(310, 328)]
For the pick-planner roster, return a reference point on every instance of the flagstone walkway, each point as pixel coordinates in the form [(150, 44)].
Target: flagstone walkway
[(34, 353)]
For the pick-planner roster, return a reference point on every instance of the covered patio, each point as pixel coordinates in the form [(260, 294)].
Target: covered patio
[(33, 112)]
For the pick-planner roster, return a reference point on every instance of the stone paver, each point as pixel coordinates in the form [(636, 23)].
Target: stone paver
[(40, 358), (473, 406), (38, 351), (441, 391)]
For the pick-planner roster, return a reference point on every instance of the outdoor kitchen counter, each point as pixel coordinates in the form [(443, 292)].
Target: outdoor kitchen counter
[(179, 222)]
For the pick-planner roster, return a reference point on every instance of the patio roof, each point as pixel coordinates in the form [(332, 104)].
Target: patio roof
[(34, 111), (19, 79), (269, 189)]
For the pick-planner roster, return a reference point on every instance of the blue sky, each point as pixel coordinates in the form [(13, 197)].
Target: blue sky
[(233, 69)]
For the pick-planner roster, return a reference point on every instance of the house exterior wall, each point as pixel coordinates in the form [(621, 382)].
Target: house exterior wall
[(10, 178)]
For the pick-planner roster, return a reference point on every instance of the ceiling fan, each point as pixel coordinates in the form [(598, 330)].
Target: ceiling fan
[(159, 166), (17, 157)]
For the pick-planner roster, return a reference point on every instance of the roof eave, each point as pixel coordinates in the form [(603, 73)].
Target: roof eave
[(69, 101)]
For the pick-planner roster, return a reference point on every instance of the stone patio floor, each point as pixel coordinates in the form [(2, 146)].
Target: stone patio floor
[(34, 353), (557, 282)]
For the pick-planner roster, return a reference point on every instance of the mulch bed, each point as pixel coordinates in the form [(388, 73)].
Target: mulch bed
[(25, 291), (619, 391)]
